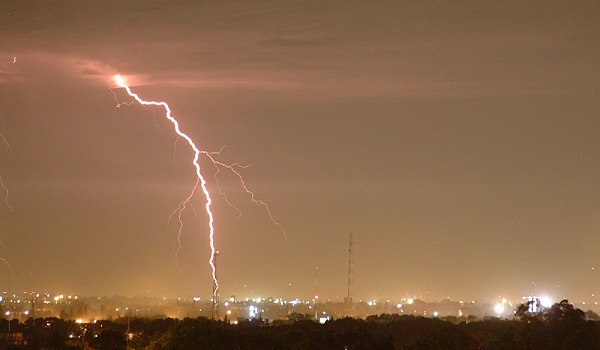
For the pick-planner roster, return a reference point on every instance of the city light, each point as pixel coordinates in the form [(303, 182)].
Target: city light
[(252, 311), (545, 301)]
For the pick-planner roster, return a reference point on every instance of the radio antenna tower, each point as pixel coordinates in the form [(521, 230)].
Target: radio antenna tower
[(215, 296), (316, 292), (348, 299)]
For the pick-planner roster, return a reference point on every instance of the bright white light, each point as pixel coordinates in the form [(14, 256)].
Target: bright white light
[(252, 311), (435, 314), (399, 306), (120, 81), (80, 321), (545, 302), (410, 301), (499, 308)]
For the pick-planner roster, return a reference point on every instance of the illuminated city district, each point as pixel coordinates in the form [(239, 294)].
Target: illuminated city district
[(87, 309)]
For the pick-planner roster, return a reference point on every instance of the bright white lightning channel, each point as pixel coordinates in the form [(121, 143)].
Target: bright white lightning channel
[(120, 81)]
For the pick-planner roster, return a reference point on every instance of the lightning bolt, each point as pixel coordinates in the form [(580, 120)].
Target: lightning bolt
[(7, 146), (2, 181), (10, 207), (218, 154), (200, 181), (179, 211), (4, 260), (2, 129), (245, 188), (8, 265)]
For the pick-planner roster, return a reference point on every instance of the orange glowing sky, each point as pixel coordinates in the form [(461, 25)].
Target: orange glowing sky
[(459, 143)]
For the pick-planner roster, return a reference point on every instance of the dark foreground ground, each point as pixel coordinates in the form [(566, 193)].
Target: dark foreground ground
[(558, 327)]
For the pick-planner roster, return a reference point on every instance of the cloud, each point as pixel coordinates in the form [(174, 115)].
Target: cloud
[(49, 68), (385, 49)]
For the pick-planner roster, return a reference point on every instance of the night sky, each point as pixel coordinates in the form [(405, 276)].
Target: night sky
[(459, 142)]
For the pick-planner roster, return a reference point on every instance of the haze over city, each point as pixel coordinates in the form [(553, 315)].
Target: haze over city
[(457, 142)]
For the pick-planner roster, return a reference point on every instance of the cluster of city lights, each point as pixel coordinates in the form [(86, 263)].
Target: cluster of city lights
[(21, 306)]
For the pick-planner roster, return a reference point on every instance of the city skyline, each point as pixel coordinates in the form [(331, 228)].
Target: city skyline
[(457, 143)]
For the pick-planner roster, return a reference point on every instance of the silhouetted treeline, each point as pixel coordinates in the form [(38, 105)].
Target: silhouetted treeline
[(558, 327)]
